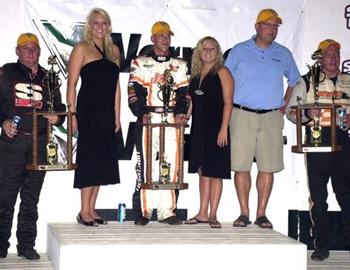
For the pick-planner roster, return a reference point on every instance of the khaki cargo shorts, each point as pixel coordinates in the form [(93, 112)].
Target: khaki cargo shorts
[(259, 136)]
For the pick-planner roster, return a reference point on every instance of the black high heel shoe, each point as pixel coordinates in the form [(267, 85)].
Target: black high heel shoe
[(101, 221), (81, 221)]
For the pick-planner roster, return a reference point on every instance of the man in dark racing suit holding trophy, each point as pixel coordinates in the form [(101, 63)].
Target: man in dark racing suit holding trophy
[(23, 90), (149, 75)]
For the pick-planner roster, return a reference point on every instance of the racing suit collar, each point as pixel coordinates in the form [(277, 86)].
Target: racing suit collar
[(160, 58), (24, 67), (27, 70)]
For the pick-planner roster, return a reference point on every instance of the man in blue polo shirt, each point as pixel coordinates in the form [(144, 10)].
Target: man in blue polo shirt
[(258, 66)]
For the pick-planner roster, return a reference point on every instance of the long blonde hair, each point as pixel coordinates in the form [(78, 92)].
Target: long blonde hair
[(107, 42), (196, 57)]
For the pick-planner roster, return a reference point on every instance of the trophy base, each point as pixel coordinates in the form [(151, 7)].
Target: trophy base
[(51, 167), (315, 149), (161, 186)]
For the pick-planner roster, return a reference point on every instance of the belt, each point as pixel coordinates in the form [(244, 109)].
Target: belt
[(253, 110), (159, 109)]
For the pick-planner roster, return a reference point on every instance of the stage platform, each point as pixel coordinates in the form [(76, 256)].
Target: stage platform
[(72, 246), (162, 246), (338, 260), (13, 262)]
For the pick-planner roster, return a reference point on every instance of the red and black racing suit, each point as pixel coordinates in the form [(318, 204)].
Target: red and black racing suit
[(20, 93)]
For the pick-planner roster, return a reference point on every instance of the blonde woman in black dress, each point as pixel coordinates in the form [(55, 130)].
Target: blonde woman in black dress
[(96, 61), (211, 90)]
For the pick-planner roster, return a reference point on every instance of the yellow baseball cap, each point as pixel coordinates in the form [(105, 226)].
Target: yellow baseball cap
[(267, 14), (25, 38), (161, 28), (326, 43)]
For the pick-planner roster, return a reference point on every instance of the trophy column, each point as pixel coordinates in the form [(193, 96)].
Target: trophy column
[(51, 166), (316, 76), (310, 147), (35, 140), (70, 139), (164, 168), (52, 82), (181, 153), (149, 155)]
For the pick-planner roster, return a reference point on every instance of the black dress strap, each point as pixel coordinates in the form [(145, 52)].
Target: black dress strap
[(100, 51)]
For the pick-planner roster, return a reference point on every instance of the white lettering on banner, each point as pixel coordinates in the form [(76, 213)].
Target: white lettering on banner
[(346, 63), (346, 66), (347, 16)]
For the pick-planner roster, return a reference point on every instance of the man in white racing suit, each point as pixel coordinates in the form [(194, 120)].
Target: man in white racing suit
[(334, 86), (147, 76)]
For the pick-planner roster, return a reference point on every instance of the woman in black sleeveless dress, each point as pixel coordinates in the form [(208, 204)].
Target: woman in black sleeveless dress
[(211, 90), (98, 112)]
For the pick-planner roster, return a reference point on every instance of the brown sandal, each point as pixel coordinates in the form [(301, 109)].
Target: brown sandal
[(195, 220), (263, 222), (241, 221), (215, 224)]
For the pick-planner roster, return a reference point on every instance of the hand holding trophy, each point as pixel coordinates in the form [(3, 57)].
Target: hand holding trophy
[(342, 119)]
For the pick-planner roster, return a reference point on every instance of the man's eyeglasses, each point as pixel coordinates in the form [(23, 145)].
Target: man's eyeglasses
[(270, 25)]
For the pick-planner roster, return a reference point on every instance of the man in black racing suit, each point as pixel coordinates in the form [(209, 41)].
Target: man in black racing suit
[(21, 91)]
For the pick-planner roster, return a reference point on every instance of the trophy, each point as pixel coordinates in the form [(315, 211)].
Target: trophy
[(51, 150), (315, 72), (53, 83), (164, 181), (164, 171), (316, 132), (166, 94), (316, 143), (166, 90)]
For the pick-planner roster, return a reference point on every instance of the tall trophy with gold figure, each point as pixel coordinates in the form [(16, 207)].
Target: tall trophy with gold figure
[(316, 75), (52, 83), (315, 143), (166, 94)]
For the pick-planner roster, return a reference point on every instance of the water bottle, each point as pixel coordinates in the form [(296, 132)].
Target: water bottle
[(15, 120), (121, 212), (342, 114)]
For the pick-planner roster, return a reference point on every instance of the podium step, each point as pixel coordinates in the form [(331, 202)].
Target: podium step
[(13, 262), (159, 246), (338, 260)]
